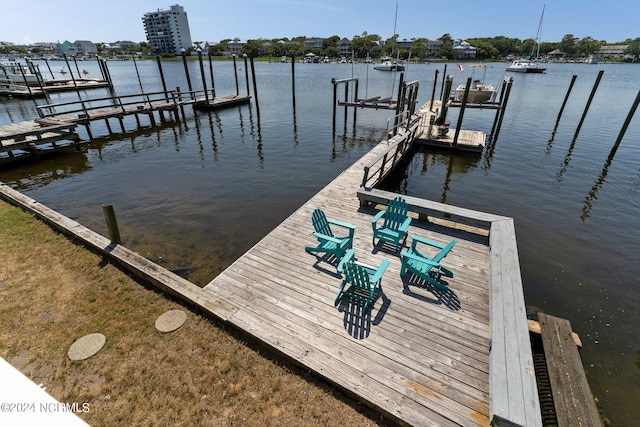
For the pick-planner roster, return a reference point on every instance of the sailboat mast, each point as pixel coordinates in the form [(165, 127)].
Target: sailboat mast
[(395, 22), (539, 33)]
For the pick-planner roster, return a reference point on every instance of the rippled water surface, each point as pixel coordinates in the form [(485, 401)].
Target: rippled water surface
[(195, 196)]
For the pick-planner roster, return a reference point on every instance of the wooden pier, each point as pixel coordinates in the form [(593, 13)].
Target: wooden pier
[(51, 86), (419, 356), (33, 138)]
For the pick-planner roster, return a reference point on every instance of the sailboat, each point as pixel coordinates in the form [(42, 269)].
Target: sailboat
[(387, 63), (527, 65)]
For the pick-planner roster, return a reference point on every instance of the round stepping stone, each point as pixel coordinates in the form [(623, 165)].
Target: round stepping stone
[(86, 346), (171, 320)]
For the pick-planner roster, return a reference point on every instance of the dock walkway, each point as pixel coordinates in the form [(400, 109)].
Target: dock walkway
[(420, 356)]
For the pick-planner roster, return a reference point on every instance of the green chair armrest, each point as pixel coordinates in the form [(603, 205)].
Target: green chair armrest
[(377, 217), (414, 257), (405, 224), (380, 271), (329, 238), (342, 224), (415, 239), (347, 257)]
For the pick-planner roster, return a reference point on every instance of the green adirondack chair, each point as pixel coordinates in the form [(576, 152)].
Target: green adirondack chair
[(328, 242), (360, 280), (395, 225), (425, 267)]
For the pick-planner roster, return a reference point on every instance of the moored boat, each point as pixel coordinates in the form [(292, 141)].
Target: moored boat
[(14, 72)]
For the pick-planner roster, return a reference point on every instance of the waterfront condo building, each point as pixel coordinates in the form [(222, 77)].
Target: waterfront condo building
[(168, 30)]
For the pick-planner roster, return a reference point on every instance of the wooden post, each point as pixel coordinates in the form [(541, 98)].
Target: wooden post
[(235, 71), (213, 84), (346, 99), (137, 72), (566, 98), (433, 91), (335, 102), (184, 118), (444, 73), (503, 108), (255, 86), (75, 62), (72, 78), (204, 77), (46, 61), (246, 72), (499, 109), (112, 224), (586, 108), (293, 81), (462, 108), (625, 125), (398, 103), (186, 72), (164, 84), (355, 109)]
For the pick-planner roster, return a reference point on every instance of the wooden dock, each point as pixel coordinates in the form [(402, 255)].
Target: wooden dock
[(32, 138), (431, 135), (51, 86), (419, 356)]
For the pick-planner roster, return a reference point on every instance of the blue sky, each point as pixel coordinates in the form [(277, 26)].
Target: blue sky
[(214, 20)]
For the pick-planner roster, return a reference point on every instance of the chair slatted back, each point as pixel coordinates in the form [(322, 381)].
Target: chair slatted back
[(397, 211), (320, 223), (357, 275)]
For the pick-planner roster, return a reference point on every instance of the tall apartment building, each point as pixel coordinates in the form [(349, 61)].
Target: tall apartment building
[(168, 30)]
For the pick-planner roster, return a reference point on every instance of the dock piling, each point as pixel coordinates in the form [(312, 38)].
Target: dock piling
[(586, 107), (164, 84), (213, 84), (255, 87), (204, 77), (625, 126), (564, 103), (235, 72), (186, 72), (293, 84), (246, 72), (112, 223)]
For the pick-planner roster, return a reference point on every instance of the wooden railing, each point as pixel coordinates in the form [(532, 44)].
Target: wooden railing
[(151, 100), (380, 167)]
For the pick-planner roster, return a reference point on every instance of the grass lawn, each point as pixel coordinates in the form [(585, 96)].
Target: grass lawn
[(54, 291)]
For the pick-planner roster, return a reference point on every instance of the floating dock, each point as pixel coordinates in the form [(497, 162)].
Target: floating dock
[(33, 138), (51, 86)]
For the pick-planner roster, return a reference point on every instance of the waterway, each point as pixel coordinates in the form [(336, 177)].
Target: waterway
[(195, 196)]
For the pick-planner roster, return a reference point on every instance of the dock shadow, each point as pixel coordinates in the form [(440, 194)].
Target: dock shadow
[(357, 323), (447, 298)]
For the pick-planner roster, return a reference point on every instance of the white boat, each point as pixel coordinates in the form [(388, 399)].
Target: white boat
[(479, 92), (389, 65), (592, 59), (528, 65), (14, 72)]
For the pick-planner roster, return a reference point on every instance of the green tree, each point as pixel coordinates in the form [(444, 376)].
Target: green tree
[(419, 48), (587, 46), (446, 50), (252, 47), (633, 48), (568, 44)]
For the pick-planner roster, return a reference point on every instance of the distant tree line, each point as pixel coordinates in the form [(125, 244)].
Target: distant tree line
[(372, 45)]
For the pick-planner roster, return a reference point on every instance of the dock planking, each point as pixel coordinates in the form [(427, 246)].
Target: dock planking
[(419, 356)]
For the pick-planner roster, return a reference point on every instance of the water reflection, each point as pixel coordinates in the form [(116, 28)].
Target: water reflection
[(422, 162)]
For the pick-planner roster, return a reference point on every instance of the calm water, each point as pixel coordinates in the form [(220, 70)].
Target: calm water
[(194, 197)]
